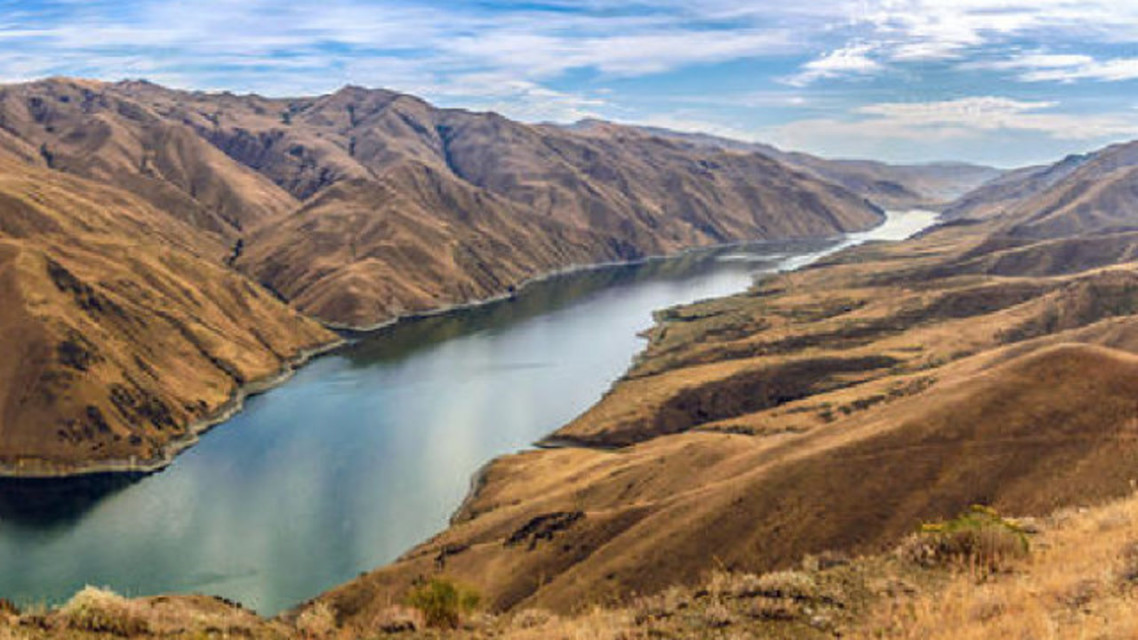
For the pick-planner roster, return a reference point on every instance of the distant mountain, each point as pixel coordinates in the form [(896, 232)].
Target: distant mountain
[(1072, 200), (996, 196), (889, 186), (1099, 194)]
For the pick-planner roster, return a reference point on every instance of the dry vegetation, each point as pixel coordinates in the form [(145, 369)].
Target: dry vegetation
[(1077, 578)]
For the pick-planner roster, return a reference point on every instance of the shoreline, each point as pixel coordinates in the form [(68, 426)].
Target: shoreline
[(194, 430), (365, 331), (348, 334)]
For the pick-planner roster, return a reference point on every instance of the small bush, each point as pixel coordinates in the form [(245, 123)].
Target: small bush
[(717, 615), (979, 538), (102, 611), (1127, 569), (317, 621), (443, 602), (795, 585), (660, 606)]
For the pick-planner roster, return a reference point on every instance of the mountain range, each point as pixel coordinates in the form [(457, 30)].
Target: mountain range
[(187, 245)]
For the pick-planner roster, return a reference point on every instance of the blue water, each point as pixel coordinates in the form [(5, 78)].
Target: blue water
[(367, 451)]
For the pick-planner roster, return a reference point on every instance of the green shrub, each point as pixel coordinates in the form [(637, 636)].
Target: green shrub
[(443, 602), (979, 538)]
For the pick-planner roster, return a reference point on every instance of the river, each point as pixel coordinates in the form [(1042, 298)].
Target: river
[(368, 450)]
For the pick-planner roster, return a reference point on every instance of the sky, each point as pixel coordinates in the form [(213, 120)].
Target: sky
[(1002, 82)]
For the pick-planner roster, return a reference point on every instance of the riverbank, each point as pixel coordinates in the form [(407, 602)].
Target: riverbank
[(367, 330), (33, 469)]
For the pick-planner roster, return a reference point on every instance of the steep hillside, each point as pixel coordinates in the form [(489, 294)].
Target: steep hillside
[(125, 332), (997, 196), (888, 186), (1080, 195), (408, 207), (86, 129)]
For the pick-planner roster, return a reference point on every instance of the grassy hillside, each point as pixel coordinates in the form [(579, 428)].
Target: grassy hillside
[(125, 332)]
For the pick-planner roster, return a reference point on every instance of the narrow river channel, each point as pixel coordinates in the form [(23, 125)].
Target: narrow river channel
[(368, 450)]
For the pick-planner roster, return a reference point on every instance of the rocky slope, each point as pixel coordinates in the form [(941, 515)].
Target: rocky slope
[(363, 205), (407, 207)]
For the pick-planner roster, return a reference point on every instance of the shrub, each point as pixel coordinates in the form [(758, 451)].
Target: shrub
[(443, 602), (717, 615), (317, 621), (102, 611), (979, 538)]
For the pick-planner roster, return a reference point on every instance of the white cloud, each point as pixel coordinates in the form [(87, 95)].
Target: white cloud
[(1103, 70), (849, 60), (1052, 67), (975, 117)]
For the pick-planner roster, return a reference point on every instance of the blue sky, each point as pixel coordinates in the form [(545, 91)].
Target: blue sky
[(1006, 82)]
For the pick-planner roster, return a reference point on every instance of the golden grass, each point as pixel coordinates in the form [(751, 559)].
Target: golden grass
[(1078, 582)]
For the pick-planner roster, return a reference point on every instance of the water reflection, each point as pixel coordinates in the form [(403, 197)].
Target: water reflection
[(552, 294), (45, 503)]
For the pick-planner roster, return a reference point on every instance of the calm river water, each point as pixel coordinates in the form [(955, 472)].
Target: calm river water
[(367, 451)]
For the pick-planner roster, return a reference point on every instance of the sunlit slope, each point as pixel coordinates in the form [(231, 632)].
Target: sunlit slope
[(123, 328)]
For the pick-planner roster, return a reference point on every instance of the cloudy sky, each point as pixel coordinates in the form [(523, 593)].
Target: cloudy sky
[(1005, 82)]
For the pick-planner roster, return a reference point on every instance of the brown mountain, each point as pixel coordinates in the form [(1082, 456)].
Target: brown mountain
[(408, 207), (86, 129), (1100, 195), (887, 185), (365, 204), (996, 196), (124, 332)]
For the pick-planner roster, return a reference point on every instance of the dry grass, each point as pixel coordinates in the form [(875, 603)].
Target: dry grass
[(1078, 582), (103, 611)]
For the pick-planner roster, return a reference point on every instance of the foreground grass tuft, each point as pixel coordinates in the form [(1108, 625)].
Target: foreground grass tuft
[(443, 602), (102, 611), (979, 539)]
